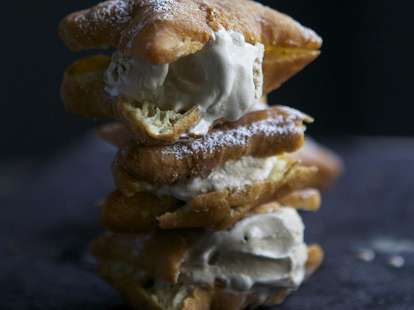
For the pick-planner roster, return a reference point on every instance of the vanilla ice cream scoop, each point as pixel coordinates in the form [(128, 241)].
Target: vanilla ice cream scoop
[(260, 253), (224, 79)]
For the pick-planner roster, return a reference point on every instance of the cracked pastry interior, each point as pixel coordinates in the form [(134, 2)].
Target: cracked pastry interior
[(223, 80)]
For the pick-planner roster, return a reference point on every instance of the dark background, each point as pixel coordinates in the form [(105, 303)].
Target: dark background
[(362, 83), (52, 174)]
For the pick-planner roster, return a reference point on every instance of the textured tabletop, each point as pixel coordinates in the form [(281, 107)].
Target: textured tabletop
[(49, 215)]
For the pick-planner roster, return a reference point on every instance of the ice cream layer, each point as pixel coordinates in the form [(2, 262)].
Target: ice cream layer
[(224, 79), (234, 174), (262, 252)]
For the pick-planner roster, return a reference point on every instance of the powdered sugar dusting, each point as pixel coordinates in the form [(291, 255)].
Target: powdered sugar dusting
[(161, 6), (277, 126), (114, 12)]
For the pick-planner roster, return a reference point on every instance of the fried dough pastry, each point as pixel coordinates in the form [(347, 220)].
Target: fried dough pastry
[(165, 30), (220, 210), (126, 183), (206, 249), (258, 134), (133, 273), (130, 185), (158, 254), (83, 93), (215, 210), (140, 213), (307, 199), (330, 165), (83, 88), (134, 214), (150, 125), (120, 136)]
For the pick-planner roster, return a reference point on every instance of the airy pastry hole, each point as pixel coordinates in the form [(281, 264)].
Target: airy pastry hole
[(157, 120)]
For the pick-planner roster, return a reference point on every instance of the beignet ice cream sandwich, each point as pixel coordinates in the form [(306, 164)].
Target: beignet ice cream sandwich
[(180, 66), (209, 179)]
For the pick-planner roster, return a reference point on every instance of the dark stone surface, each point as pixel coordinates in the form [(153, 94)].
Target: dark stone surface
[(49, 216)]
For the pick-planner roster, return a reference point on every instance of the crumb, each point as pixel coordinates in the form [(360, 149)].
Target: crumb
[(366, 255), (396, 261)]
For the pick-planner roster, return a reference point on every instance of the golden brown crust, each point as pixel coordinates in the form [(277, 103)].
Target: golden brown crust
[(163, 31), (315, 259), (218, 218), (141, 213), (307, 200), (157, 255), (329, 164), (134, 214), (258, 134), (97, 27), (124, 181), (280, 64), (83, 88)]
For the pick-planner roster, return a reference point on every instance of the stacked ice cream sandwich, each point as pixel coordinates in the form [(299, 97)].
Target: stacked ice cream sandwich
[(209, 178)]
